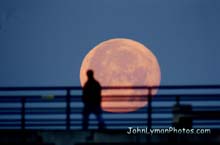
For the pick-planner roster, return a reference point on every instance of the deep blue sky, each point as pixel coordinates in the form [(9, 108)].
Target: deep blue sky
[(43, 42)]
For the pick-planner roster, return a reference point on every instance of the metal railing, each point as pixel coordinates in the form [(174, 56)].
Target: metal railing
[(68, 111)]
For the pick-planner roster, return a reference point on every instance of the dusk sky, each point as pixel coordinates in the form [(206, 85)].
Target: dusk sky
[(43, 42)]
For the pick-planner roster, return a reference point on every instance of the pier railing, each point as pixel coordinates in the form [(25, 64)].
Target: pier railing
[(30, 108)]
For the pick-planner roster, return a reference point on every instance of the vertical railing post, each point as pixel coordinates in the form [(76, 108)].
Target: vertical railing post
[(178, 100), (149, 123), (23, 100), (68, 111)]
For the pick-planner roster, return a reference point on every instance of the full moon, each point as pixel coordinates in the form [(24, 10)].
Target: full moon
[(122, 62)]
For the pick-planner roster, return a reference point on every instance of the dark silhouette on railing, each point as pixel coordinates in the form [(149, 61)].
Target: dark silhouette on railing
[(68, 111)]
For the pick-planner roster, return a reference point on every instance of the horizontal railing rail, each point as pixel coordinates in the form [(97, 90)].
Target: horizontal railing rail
[(26, 88)]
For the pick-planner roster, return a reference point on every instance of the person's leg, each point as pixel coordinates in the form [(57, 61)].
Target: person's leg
[(98, 113), (85, 113)]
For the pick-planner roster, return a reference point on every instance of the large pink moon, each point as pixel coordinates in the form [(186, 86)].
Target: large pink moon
[(122, 62)]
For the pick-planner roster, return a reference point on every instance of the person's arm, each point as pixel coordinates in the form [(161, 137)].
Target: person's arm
[(84, 94)]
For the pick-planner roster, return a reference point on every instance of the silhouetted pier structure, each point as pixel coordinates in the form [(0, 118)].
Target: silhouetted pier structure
[(60, 108)]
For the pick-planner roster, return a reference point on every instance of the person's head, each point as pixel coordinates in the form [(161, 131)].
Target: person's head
[(90, 74)]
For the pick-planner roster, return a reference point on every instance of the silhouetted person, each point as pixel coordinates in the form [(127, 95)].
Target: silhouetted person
[(92, 100)]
